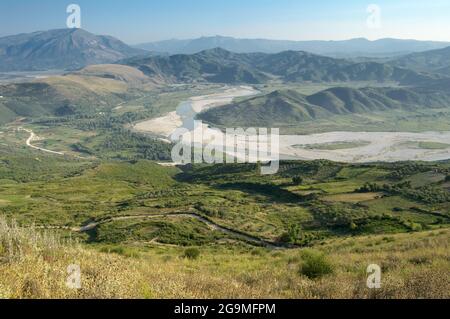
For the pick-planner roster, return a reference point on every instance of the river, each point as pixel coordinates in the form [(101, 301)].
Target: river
[(362, 146)]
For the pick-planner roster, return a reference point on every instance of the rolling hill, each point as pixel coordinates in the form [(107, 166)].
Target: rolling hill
[(288, 107), (99, 87), (436, 61), (67, 49), (216, 65), (346, 48), (221, 66), (88, 90), (298, 66)]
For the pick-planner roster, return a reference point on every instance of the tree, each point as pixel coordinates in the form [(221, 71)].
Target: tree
[(297, 180)]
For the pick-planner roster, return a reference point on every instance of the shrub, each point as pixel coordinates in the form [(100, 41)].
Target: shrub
[(315, 265), (292, 235), (191, 253), (297, 180)]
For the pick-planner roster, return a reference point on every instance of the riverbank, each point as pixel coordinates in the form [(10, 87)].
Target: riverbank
[(362, 146)]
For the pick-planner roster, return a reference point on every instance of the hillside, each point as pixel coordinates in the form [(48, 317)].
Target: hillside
[(154, 229), (101, 87), (287, 107), (36, 268), (67, 49), (221, 66), (436, 61), (278, 108), (346, 48), (296, 66), (85, 91), (215, 65)]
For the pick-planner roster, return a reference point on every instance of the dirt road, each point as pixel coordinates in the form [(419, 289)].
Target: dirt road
[(212, 225), (34, 137)]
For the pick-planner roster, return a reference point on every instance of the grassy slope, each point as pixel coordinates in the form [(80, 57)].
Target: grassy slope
[(414, 266), (90, 90)]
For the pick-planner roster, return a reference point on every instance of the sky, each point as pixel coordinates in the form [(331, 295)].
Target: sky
[(139, 21)]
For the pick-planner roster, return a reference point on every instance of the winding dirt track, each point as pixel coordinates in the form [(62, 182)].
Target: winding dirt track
[(34, 137), (212, 225)]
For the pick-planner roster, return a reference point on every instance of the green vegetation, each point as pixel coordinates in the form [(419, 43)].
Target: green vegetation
[(433, 146), (315, 265), (309, 93), (292, 235), (305, 203), (426, 145), (144, 230), (393, 120), (34, 265), (334, 146), (434, 61), (132, 215), (192, 253), (207, 66), (289, 109), (221, 66), (297, 180), (147, 216)]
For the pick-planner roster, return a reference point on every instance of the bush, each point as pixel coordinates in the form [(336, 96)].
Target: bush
[(297, 180), (292, 235), (191, 253), (315, 265)]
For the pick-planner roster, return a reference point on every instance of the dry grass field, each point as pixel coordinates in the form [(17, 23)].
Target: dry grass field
[(34, 265)]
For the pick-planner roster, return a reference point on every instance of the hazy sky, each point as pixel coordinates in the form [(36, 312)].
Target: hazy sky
[(136, 21)]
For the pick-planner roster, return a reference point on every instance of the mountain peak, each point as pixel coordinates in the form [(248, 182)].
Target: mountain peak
[(60, 49), (218, 51)]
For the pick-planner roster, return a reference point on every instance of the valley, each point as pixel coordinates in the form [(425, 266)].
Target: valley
[(376, 146), (144, 217), (86, 172)]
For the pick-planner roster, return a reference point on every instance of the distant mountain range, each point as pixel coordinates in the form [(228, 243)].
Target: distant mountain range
[(99, 87), (347, 48), (67, 49), (222, 66), (73, 49), (288, 107)]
